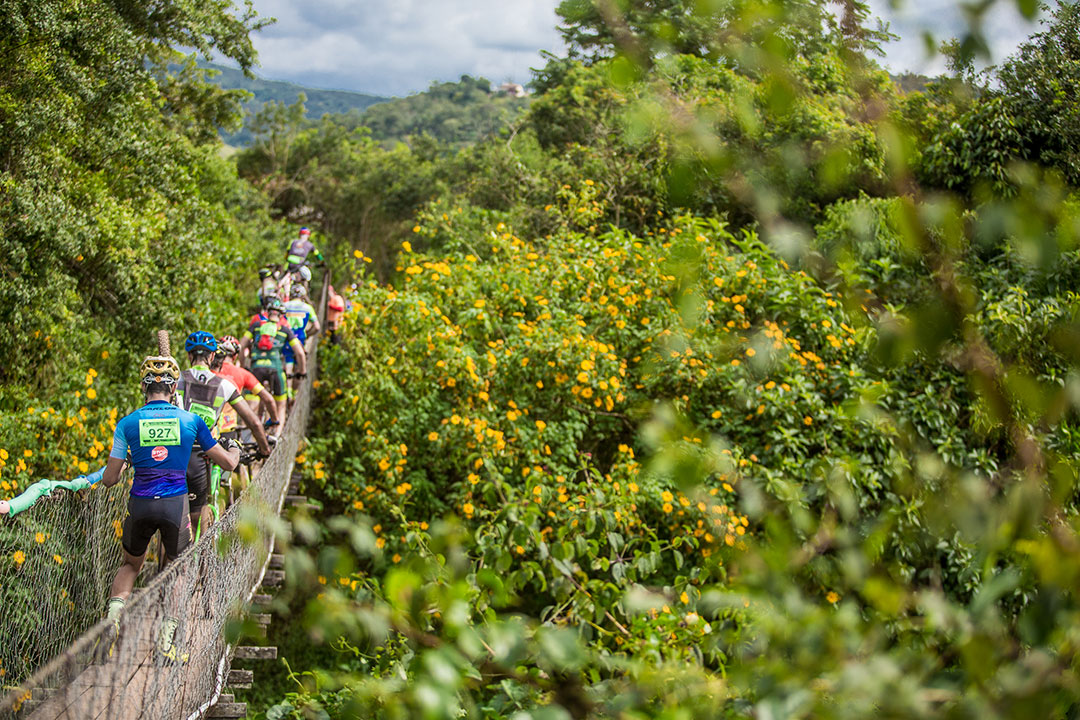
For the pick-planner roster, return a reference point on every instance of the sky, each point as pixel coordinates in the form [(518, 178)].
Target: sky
[(397, 47)]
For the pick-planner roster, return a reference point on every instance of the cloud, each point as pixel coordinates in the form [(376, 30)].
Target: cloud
[(395, 47), (1003, 27)]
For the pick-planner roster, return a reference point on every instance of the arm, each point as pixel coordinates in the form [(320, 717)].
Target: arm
[(245, 345), (225, 459), (113, 468), (252, 421), (268, 401)]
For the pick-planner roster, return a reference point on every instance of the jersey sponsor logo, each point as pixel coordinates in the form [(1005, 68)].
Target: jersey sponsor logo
[(159, 431), (159, 453)]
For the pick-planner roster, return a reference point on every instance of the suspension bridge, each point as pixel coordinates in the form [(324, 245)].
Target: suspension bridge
[(62, 662)]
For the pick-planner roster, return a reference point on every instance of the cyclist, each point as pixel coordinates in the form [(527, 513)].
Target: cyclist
[(300, 249), (300, 315), (202, 392), (158, 437), (269, 277), (266, 336), (335, 308), (300, 277), (253, 391)]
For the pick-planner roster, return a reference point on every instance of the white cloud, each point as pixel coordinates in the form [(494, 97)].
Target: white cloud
[(1003, 26), (394, 47)]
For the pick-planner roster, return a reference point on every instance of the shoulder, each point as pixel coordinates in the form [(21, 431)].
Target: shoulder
[(228, 387)]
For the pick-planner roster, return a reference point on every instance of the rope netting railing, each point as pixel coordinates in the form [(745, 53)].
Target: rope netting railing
[(55, 610)]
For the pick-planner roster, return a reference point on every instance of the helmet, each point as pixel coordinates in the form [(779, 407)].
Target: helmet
[(267, 298), (304, 231), (298, 291), (265, 272), (229, 345), (201, 340), (274, 303), (159, 368), (305, 273)]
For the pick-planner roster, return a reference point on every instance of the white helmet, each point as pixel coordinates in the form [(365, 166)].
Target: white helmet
[(305, 272)]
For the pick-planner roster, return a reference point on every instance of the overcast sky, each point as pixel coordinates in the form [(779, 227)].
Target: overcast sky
[(396, 47)]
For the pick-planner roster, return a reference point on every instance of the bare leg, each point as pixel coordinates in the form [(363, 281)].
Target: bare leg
[(125, 576)]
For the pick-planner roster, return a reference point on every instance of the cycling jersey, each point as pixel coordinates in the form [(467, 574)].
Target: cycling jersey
[(268, 341), (299, 251), (248, 385), (298, 313), (202, 392), (159, 436)]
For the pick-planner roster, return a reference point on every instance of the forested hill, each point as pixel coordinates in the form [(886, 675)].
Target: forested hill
[(318, 101)]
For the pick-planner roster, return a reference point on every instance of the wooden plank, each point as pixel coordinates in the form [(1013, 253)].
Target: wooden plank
[(226, 698), (295, 500), (277, 561), (273, 578), (261, 599), (228, 710), (255, 652), (261, 618), (240, 679)]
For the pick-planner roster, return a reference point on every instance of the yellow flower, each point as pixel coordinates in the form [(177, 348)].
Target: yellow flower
[(104, 354), (83, 467), (832, 597), (319, 474), (91, 393), (667, 507), (751, 352), (380, 543), (808, 420), (39, 538), (357, 254), (685, 598), (3, 455), (59, 560), (406, 246), (473, 478), (384, 464), (538, 491), (633, 487), (520, 550), (667, 496), (19, 557), (396, 558), (468, 509), (480, 303), (433, 436), (540, 425), (358, 504), (27, 453)]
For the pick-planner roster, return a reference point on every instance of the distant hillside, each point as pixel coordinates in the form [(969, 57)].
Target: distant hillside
[(455, 113), (319, 102), (911, 82)]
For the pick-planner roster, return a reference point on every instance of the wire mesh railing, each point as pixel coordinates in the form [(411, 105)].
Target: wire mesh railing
[(110, 673)]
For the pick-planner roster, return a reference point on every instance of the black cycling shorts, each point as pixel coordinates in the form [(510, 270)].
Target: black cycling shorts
[(272, 378), (146, 516), (198, 482)]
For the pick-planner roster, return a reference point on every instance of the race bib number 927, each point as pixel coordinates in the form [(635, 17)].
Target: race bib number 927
[(165, 431)]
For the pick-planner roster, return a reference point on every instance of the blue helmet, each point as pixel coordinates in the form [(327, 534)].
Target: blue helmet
[(201, 340)]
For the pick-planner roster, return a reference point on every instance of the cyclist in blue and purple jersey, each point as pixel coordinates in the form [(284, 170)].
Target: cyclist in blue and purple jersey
[(158, 438)]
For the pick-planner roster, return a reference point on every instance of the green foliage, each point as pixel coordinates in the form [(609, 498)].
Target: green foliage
[(467, 111)]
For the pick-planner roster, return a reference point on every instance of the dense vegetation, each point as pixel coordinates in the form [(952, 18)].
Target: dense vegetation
[(726, 383), (725, 379)]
